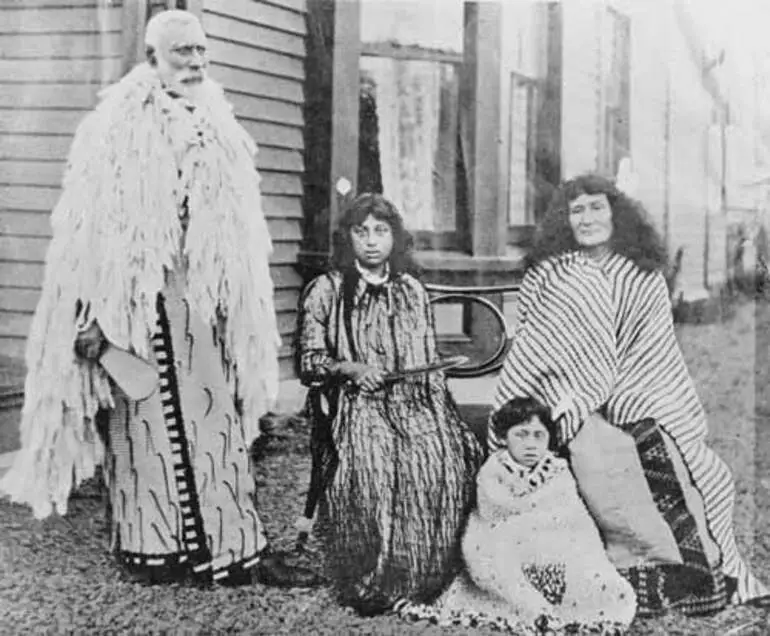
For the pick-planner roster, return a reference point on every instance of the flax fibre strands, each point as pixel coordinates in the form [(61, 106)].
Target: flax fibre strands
[(116, 230)]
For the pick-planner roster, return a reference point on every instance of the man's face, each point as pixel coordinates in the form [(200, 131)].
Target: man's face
[(181, 56)]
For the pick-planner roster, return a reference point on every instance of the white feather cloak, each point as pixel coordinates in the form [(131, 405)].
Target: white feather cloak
[(116, 230)]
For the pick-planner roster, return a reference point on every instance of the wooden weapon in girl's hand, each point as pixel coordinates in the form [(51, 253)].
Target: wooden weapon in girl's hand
[(137, 378), (323, 403), (441, 365)]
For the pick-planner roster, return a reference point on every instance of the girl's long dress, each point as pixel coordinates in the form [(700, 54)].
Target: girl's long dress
[(178, 466), (393, 514), (599, 335)]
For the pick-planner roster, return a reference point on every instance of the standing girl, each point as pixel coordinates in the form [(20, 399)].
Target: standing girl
[(392, 515)]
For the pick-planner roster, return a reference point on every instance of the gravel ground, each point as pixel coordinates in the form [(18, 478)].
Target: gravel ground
[(57, 577)]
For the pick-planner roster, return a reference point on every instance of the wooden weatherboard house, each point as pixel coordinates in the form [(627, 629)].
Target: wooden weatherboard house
[(467, 125), (55, 55)]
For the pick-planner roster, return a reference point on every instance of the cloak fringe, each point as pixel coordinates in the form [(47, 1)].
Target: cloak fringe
[(116, 230)]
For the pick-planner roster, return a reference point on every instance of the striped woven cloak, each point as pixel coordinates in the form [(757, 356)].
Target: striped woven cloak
[(599, 335)]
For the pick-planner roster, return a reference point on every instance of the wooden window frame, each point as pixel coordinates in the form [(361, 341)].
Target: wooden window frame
[(394, 51), (479, 103), (546, 145), (616, 129), (479, 106), (448, 240), (519, 233)]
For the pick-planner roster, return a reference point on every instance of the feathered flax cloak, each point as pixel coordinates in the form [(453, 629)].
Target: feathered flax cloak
[(138, 162)]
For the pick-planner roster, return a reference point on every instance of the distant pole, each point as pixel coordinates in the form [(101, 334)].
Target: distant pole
[(667, 163), (761, 351)]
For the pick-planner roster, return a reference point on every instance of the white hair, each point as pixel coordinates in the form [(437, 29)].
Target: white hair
[(161, 21)]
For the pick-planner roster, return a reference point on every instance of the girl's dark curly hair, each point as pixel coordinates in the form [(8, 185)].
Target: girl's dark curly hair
[(376, 205), (519, 411), (633, 235)]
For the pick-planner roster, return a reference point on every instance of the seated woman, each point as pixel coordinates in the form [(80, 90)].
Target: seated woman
[(393, 512), (596, 337), (595, 344)]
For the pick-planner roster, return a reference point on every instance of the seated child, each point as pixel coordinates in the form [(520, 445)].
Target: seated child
[(531, 542)]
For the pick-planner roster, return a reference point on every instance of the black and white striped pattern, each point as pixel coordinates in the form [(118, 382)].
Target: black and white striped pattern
[(192, 531), (599, 335), (395, 507)]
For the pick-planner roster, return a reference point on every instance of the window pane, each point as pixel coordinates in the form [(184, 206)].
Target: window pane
[(411, 125), (616, 91), (518, 169), (428, 24), (525, 62)]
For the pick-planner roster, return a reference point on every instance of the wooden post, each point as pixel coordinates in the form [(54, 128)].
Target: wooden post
[(345, 101), (481, 135), (331, 122), (480, 127), (761, 482)]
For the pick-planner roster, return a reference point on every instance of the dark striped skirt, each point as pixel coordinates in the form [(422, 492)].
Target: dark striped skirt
[(393, 516)]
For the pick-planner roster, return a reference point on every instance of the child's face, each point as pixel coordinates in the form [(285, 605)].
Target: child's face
[(372, 242), (528, 442)]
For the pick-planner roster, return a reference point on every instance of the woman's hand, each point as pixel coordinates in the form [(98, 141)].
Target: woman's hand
[(363, 375), (89, 344)]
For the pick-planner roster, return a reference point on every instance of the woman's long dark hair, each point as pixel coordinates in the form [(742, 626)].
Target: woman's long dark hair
[(376, 205), (633, 235)]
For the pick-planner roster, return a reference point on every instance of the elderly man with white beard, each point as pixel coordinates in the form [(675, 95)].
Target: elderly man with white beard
[(160, 251)]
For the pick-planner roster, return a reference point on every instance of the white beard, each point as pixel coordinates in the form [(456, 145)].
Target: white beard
[(193, 92)]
